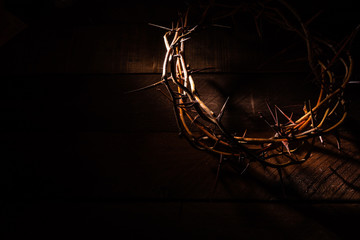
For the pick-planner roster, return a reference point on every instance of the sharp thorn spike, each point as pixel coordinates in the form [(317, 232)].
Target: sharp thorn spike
[(146, 87), (338, 142), (272, 114), (221, 26), (289, 118), (338, 145), (184, 39), (321, 140), (221, 113), (286, 145), (244, 133), (246, 167), (193, 28), (159, 26)]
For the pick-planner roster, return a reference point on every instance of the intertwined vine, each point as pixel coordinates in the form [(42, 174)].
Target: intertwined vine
[(292, 140)]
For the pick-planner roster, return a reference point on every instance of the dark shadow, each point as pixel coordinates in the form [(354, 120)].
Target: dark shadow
[(347, 183)]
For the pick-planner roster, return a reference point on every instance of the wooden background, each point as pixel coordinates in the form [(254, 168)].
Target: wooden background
[(80, 156)]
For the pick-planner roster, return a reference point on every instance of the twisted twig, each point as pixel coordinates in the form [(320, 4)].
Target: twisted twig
[(292, 141)]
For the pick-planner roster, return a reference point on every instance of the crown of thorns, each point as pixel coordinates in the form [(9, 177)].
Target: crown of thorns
[(292, 140)]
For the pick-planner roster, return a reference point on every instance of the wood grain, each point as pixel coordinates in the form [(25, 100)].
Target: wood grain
[(119, 166), (100, 102), (138, 48)]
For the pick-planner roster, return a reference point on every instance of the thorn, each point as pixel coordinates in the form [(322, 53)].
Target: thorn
[(286, 145), (146, 87), (159, 26), (201, 69), (305, 108), (221, 113), (244, 133), (313, 17), (221, 26), (321, 140), (241, 161), (193, 29), (246, 167), (184, 39), (346, 41), (272, 114), (338, 142), (289, 118)]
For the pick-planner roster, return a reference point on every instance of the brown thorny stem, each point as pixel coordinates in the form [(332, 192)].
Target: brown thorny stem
[(203, 128)]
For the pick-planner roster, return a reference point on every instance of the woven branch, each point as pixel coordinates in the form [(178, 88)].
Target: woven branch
[(292, 142)]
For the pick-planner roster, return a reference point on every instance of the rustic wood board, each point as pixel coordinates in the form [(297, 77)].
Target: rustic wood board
[(138, 48), (100, 165), (113, 38), (100, 102), (71, 128), (181, 219)]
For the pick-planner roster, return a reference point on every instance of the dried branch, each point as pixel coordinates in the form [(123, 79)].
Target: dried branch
[(293, 140)]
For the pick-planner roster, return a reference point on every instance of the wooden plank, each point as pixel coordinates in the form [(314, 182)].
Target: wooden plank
[(136, 48), (84, 103), (186, 219), (99, 102), (130, 166), (80, 136), (113, 38), (99, 165)]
